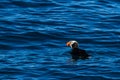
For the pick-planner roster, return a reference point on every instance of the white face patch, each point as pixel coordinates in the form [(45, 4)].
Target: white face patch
[(72, 42)]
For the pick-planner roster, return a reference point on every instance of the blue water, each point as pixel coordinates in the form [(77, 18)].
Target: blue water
[(33, 34)]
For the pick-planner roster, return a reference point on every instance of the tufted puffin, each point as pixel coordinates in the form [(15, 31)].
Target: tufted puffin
[(76, 52)]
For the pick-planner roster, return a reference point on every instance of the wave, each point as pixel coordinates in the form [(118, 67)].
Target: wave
[(5, 47), (24, 40), (33, 3), (11, 71), (33, 34), (3, 3)]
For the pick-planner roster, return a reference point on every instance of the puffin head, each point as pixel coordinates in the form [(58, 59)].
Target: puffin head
[(72, 44)]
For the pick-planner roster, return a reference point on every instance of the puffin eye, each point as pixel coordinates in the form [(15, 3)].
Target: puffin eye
[(75, 45)]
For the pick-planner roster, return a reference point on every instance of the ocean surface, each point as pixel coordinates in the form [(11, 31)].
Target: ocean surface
[(33, 36)]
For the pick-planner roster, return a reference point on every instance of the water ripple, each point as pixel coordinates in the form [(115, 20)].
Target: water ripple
[(33, 34)]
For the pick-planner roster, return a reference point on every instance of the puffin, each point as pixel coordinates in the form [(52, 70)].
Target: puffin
[(76, 52)]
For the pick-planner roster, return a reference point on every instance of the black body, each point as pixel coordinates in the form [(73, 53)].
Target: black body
[(79, 54)]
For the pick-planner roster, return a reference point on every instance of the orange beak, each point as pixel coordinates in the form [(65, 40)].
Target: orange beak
[(68, 43)]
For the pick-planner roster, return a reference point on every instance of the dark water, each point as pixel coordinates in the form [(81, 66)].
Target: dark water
[(33, 34)]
